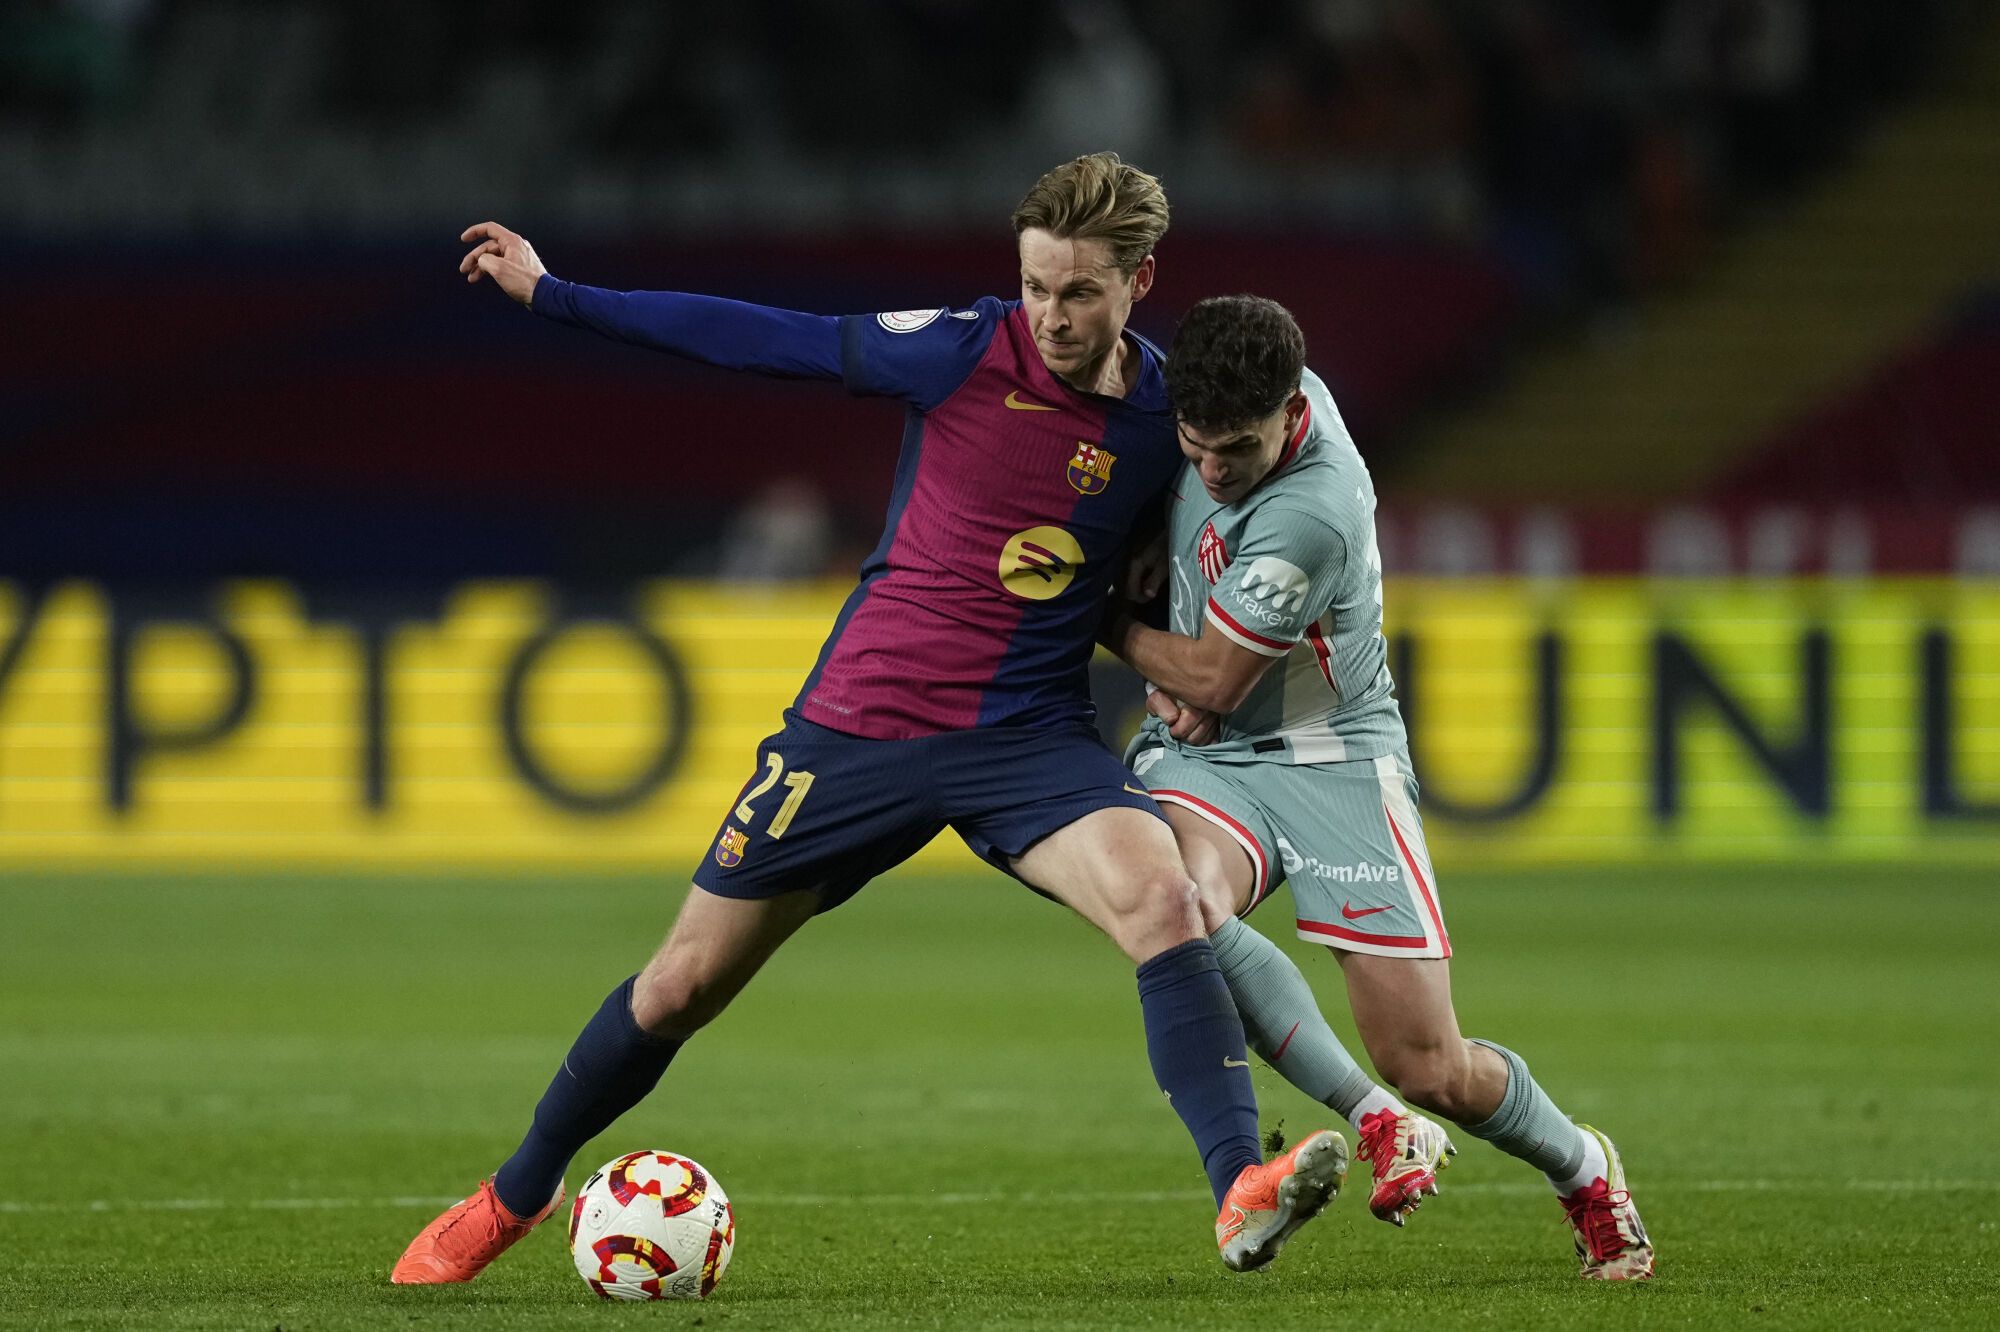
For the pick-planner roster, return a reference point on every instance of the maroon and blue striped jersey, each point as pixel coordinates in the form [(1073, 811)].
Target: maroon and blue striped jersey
[(1015, 497)]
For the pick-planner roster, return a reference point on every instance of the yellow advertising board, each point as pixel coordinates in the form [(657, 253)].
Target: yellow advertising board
[(511, 724)]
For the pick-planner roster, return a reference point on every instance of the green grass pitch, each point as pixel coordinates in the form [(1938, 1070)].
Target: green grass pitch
[(229, 1100)]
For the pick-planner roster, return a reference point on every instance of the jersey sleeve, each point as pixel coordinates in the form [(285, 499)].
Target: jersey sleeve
[(1281, 580), (709, 329), (919, 356)]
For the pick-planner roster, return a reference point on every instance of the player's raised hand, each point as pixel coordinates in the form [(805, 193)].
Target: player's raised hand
[(505, 256)]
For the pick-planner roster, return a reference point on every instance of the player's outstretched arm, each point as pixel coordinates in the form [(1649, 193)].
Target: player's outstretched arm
[(506, 257), (731, 334)]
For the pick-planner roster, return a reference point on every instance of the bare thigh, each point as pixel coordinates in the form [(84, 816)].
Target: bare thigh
[(1223, 873), (1399, 1003), (1403, 1012), (1118, 868)]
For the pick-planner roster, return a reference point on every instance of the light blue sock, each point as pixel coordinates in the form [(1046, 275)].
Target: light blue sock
[(1528, 1125), (1282, 1019)]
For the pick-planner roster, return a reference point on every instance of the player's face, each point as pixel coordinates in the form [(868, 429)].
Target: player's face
[(1077, 302), (1233, 460)]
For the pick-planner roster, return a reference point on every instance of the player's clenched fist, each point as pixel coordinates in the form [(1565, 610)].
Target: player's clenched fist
[(504, 256), (1185, 722)]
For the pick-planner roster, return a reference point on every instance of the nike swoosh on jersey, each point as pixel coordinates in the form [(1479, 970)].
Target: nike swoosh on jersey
[(1014, 401), (1227, 1062), (1137, 790), (1350, 913)]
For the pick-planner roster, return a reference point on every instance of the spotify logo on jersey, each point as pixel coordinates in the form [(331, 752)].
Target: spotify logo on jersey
[(1039, 563)]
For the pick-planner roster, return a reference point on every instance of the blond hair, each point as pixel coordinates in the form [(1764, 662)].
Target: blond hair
[(1098, 197)]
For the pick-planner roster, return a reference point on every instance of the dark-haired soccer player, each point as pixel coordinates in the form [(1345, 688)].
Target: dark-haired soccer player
[(1275, 605), (950, 693)]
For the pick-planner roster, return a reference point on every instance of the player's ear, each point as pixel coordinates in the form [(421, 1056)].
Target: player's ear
[(1295, 410), (1142, 278)]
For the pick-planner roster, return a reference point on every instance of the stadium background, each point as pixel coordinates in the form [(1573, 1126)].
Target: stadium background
[(1670, 331), (1695, 291)]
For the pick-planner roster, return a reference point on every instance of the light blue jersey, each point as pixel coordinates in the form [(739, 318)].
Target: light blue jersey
[(1311, 774), (1292, 571)]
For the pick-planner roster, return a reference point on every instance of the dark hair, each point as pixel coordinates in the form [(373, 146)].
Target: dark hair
[(1235, 360)]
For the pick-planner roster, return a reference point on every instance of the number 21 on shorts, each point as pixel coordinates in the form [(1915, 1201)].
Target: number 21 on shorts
[(797, 783)]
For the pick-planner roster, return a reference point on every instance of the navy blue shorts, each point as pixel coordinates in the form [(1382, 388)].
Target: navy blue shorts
[(830, 811)]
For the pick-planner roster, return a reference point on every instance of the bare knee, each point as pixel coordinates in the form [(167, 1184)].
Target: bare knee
[(674, 1001), (1161, 910), (1216, 903), (715, 946), (1434, 1077)]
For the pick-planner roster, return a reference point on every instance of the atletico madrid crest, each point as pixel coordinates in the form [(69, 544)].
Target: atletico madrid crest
[(729, 847), (1214, 556), (1090, 469)]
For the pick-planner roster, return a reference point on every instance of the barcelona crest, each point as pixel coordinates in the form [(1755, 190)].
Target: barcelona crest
[(729, 847), (1090, 469)]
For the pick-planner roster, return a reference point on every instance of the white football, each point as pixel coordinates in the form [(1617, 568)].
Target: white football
[(651, 1226)]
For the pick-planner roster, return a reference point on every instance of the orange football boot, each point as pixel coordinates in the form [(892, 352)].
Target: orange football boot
[(1270, 1201), (459, 1244)]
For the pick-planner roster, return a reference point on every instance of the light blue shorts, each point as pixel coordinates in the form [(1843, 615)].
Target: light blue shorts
[(1345, 836)]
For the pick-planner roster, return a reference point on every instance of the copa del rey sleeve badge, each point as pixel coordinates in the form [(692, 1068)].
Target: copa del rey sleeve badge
[(1090, 469)]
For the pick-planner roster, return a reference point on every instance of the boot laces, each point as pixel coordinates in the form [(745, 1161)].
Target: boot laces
[(1381, 1138), (471, 1207), (1595, 1217)]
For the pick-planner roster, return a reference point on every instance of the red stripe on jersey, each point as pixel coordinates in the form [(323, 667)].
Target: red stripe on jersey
[(1298, 438), (1250, 634), (1325, 655)]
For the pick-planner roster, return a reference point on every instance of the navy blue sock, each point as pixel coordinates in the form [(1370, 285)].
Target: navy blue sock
[(612, 1066), (1195, 1041)]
